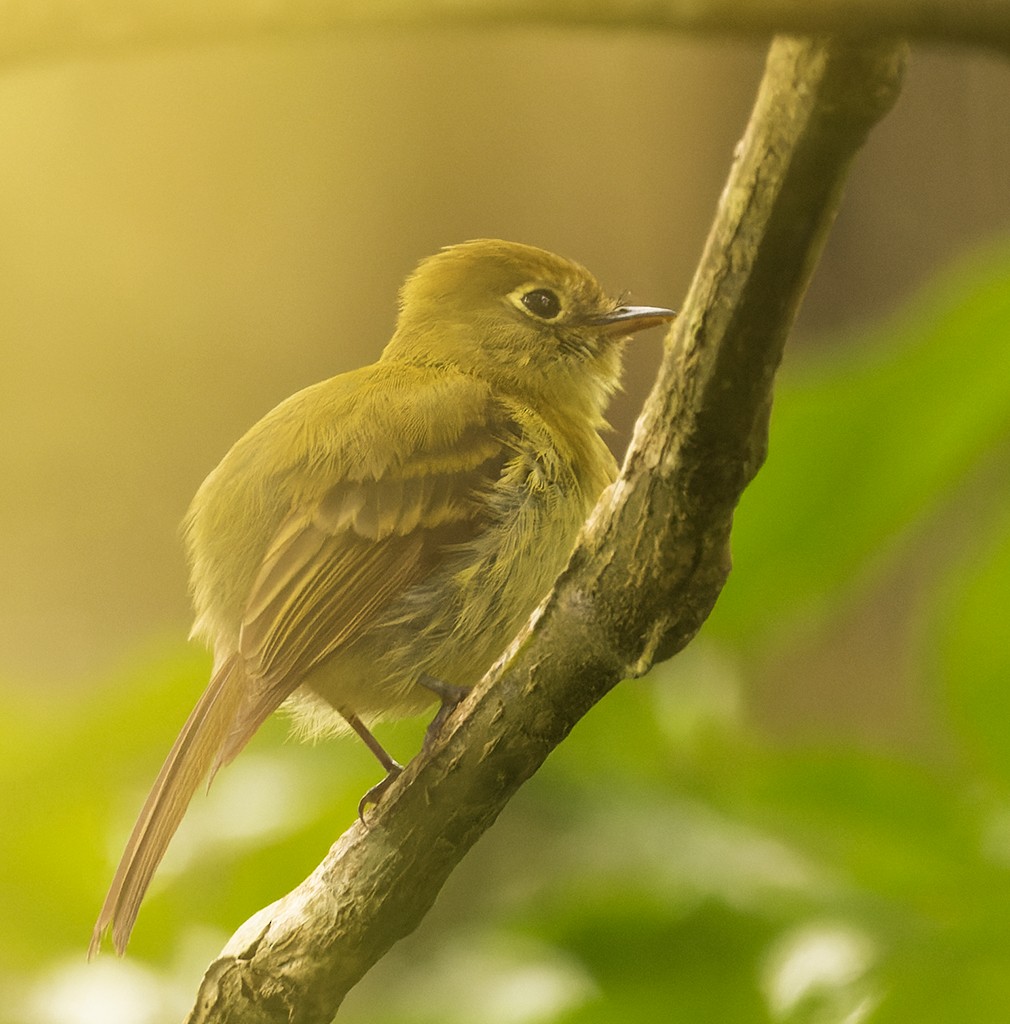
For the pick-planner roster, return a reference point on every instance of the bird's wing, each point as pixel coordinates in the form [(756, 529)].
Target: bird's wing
[(332, 568)]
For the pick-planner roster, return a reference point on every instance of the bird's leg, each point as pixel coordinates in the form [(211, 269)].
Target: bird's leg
[(393, 768), (449, 695)]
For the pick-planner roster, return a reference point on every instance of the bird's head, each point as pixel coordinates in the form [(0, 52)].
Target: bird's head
[(533, 324)]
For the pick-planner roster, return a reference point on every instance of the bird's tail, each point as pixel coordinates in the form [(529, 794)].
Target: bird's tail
[(187, 764)]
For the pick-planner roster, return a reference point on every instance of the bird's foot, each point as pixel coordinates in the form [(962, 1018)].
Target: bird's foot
[(450, 696)]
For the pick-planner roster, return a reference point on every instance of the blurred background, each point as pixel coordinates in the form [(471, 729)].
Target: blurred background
[(803, 817)]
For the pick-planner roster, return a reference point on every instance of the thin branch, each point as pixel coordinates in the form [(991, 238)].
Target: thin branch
[(647, 572), (53, 29)]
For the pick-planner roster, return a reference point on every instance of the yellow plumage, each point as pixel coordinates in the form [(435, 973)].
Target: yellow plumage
[(397, 522)]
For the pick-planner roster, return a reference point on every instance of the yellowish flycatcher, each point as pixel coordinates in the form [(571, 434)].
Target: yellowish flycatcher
[(385, 533)]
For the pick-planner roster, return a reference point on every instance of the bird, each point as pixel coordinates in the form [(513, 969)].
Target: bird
[(375, 541)]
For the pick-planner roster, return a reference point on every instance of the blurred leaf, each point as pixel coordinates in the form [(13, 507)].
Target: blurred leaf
[(894, 828), (864, 444), (944, 977), (649, 965), (973, 649)]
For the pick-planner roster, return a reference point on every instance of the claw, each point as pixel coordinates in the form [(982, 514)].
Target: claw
[(378, 791), (448, 694)]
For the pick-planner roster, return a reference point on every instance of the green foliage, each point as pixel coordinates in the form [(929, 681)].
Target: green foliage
[(866, 445), (676, 859)]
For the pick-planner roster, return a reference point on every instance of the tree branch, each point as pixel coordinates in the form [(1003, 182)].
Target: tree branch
[(61, 28), (648, 569)]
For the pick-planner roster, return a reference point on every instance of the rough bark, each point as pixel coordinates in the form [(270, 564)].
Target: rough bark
[(646, 573)]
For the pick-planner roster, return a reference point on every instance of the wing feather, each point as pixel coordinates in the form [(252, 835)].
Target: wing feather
[(331, 571), (382, 522)]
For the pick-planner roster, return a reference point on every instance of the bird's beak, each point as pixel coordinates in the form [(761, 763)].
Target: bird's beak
[(628, 319)]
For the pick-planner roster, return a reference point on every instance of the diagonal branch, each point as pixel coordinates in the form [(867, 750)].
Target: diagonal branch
[(647, 572)]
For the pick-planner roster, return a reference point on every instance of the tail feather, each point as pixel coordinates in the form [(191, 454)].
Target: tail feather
[(255, 710), (188, 763)]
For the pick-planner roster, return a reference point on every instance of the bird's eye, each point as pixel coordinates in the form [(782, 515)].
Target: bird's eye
[(542, 302)]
